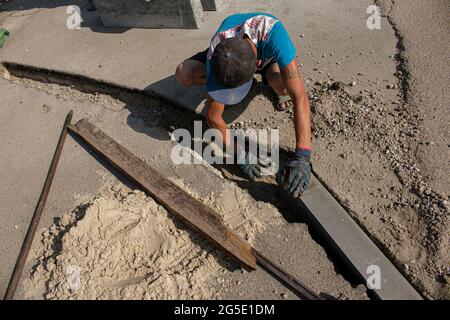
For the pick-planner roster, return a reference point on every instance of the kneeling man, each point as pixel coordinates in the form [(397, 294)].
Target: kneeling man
[(245, 44)]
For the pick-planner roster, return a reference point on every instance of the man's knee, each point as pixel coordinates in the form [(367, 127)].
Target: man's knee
[(183, 76)]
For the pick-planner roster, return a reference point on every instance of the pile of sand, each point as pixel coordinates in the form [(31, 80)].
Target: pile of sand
[(123, 245)]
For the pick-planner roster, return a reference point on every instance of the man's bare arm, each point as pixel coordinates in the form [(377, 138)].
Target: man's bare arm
[(215, 120), (294, 85)]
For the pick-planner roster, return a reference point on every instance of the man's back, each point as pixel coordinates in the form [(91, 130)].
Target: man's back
[(265, 30)]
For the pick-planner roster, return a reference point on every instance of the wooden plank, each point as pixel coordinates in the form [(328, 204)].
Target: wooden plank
[(177, 201)]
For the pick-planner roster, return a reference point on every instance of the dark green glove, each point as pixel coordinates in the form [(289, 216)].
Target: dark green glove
[(253, 170), (296, 175), (4, 34)]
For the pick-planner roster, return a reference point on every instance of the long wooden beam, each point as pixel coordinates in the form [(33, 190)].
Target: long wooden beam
[(190, 210)]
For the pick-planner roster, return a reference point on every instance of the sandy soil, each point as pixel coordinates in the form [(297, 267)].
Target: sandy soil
[(124, 246)]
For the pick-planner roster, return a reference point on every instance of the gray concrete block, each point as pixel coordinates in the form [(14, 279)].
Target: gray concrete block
[(154, 14), (210, 5), (343, 236)]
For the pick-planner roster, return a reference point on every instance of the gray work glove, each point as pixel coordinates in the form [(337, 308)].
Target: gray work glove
[(253, 170), (295, 176)]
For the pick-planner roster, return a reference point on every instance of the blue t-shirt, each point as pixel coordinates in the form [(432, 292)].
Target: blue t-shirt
[(265, 30)]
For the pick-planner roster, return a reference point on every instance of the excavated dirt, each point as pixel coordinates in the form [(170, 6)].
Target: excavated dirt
[(123, 245)]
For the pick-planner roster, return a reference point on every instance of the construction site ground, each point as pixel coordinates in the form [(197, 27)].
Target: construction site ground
[(380, 123)]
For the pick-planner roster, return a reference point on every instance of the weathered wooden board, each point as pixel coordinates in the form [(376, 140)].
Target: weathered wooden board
[(177, 201)]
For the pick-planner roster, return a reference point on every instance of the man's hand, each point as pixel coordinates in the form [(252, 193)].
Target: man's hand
[(253, 170), (296, 175)]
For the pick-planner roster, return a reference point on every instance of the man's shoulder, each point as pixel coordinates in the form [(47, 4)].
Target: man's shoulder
[(240, 18)]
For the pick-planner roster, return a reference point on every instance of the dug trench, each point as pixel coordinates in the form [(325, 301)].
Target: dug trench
[(341, 121)]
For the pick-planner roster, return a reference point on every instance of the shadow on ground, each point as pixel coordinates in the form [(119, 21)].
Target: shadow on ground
[(193, 98)]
